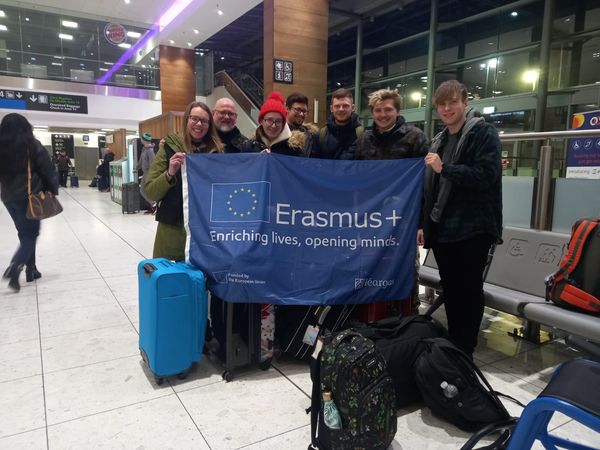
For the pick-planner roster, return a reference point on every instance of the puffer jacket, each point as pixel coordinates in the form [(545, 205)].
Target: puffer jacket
[(43, 177), (402, 141), (335, 140), (290, 143)]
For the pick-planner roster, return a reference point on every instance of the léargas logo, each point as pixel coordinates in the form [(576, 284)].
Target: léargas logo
[(360, 283), (240, 202)]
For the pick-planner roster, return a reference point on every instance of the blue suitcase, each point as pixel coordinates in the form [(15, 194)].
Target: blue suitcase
[(173, 305), (74, 181)]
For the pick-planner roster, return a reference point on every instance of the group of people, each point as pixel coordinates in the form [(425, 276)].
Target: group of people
[(462, 201)]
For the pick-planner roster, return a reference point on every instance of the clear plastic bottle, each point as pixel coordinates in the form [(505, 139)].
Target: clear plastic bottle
[(331, 415), (449, 390)]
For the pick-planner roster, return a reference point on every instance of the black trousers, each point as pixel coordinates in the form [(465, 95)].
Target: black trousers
[(461, 265), (28, 232), (62, 177)]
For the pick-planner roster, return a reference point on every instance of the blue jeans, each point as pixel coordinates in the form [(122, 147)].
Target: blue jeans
[(27, 230)]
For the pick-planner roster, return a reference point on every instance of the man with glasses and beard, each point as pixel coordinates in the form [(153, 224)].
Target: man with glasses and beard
[(296, 106), (342, 129), (225, 118)]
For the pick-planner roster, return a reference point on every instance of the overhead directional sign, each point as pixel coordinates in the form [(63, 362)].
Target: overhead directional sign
[(43, 101)]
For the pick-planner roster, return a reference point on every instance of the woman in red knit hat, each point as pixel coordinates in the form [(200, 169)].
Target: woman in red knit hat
[(273, 134)]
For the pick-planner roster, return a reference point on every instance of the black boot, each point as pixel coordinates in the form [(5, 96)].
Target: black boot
[(12, 274), (31, 273)]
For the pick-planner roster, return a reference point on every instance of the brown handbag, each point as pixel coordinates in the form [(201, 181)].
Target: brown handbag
[(41, 205)]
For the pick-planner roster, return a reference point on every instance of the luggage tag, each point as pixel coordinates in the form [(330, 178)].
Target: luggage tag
[(310, 336)]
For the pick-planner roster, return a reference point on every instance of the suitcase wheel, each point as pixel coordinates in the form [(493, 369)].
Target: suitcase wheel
[(159, 380), (266, 364), (227, 376), (183, 375)]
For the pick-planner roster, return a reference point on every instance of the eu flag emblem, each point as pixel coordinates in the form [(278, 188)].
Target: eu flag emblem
[(240, 202)]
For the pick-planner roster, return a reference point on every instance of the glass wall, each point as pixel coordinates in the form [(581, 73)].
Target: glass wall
[(58, 47)]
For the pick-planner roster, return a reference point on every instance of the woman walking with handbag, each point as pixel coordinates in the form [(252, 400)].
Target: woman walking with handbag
[(19, 150)]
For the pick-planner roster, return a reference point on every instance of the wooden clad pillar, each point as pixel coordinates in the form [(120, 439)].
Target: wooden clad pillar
[(177, 78), (297, 31)]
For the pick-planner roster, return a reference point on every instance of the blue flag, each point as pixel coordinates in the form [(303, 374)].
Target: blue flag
[(276, 229)]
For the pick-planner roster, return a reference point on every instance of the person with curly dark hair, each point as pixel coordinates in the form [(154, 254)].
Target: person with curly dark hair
[(18, 148)]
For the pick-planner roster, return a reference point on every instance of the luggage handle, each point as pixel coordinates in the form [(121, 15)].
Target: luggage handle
[(148, 268)]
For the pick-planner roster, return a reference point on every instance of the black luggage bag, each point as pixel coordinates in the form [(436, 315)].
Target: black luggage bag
[(296, 327), (401, 340), (236, 335), (131, 198)]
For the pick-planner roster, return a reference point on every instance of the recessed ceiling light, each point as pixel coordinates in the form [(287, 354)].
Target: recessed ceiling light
[(2, 14), (222, 58), (133, 34), (67, 37), (201, 53), (171, 41), (514, 14), (124, 45), (69, 24), (219, 12), (26, 19), (196, 32), (189, 44), (3, 28), (28, 45), (8, 58), (127, 2)]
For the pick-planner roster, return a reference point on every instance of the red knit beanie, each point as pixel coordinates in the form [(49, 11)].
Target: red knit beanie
[(275, 103)]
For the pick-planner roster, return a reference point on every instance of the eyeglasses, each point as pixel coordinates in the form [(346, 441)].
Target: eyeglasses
[(225, 114), (196, 119), (271, 122), (300, 111), (342, 106)]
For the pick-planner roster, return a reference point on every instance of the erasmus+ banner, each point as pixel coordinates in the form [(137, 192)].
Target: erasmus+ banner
[(277, 229)]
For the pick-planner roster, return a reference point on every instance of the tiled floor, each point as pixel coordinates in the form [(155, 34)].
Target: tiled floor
[(71, 375)]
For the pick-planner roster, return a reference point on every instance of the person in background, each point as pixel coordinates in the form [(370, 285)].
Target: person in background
[(462, 213), (63, 162), (274, 134), (225, 118), (342, 129), (146, 159), (103, 172), (18, 148), (164, 181)]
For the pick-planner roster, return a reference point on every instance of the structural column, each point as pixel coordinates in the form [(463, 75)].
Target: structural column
[(177, 78), (297, 31)]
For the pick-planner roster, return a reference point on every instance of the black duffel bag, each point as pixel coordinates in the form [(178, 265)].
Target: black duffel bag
[(400, 341)]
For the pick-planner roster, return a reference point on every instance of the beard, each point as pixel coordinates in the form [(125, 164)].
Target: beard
[(225, 128)]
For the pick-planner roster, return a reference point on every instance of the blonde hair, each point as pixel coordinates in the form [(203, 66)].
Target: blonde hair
[(211, 138), (384, 94)]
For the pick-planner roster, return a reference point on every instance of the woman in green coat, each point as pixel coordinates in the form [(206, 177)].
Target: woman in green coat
[(164, 182)]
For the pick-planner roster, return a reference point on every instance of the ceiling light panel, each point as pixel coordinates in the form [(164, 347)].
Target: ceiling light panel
[(69, 24)]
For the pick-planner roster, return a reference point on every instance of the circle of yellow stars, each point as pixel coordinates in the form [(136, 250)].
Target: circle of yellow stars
[(247, 192)]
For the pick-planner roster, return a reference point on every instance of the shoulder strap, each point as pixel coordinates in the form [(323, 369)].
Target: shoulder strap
[(28, 173)]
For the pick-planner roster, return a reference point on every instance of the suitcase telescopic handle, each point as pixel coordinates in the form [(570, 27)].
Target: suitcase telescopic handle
[(148, 268)]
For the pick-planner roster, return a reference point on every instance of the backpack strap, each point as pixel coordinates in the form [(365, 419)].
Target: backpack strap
[(322, 134), (315, 400), (575, 248)]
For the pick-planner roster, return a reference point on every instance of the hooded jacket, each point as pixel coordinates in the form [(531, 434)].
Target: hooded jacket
[(290, 143), (233, 140)]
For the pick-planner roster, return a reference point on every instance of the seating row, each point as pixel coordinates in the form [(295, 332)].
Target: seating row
[(514, 282)]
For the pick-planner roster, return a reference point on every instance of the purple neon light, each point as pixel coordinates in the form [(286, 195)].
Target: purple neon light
[(174, 10)]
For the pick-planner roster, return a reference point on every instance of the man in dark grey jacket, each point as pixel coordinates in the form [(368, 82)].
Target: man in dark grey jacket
[(462, 214)]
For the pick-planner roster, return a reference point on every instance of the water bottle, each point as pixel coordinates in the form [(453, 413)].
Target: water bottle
[(331, 415), (448, 389)]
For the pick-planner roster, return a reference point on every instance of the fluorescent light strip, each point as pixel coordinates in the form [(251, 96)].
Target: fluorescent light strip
[(67, 37), (174, 10), (133, 34), (124, 45), (3, 28), (69, 24)]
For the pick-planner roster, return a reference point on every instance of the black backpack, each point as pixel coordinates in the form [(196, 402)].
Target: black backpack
[(353, 370), (400, 341), (474, 405)]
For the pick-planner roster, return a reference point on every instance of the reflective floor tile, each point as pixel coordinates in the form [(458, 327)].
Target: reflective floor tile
[(88, 347), (20, 359), (68, 321), (22, 405), (20, 328), (246, 410), (97, 388), (156, 424), (30, 440)]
